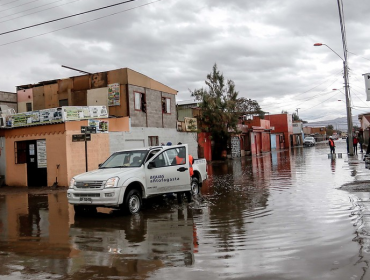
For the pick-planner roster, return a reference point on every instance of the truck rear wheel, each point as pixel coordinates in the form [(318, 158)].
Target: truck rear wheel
[(194, 186), (133, 202)]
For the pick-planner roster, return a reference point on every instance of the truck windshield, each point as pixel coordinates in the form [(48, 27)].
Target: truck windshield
[(125, 159)]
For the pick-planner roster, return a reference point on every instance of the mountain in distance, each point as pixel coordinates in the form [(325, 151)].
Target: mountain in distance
[(338, 124)]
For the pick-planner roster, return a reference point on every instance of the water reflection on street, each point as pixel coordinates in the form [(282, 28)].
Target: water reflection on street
[(275, 216)]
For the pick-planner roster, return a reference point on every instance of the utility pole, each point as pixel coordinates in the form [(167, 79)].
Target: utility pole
[(346, 82), (297, 111)]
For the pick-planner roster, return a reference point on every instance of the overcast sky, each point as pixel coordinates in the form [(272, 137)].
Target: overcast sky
[(264, 46)]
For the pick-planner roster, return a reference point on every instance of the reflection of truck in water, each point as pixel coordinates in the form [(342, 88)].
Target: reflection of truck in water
[(132, 245)]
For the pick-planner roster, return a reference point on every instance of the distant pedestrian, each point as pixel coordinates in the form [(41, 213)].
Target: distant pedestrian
[(347, 145), (355, 141), (331, 145), (361, 141)]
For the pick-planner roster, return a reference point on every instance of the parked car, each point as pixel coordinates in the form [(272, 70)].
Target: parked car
[(129, 176), (309, 141)]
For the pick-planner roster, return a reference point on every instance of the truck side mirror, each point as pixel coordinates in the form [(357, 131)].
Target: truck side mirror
[(151, 165)]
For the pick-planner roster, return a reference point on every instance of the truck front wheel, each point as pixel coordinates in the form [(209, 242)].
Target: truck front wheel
[(133, 202)]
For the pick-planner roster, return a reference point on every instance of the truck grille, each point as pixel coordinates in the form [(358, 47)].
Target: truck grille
[(89, 185), (87, 194)]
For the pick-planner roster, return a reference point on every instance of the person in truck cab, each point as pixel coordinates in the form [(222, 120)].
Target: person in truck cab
[(180, 158)]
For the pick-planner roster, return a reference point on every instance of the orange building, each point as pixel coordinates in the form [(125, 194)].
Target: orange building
[(45, 154), (282, 125)]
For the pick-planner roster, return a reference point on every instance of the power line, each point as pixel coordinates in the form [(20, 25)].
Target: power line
[(78, 14), (81, 23), (298, 94), (18, 5), (358, 55), (9, 3), (36, 11)]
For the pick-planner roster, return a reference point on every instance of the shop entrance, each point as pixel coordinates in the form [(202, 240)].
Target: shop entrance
[(36, 163)]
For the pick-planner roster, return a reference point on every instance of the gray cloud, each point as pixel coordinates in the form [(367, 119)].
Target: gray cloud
[(265, 46)]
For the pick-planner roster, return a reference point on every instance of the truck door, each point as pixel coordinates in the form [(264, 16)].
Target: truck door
[(169, 173)]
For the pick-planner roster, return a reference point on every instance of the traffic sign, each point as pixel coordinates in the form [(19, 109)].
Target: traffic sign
[(81, 137), (88, 129)]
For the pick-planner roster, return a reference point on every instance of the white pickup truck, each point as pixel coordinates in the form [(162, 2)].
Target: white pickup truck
[(129, 176)]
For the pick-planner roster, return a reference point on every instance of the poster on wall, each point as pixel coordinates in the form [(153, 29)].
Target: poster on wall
[(114, 94), (101, 126), (41, 154), (52, 115), (74, 113)]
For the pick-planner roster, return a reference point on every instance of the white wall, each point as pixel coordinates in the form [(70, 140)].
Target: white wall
[(137, 135)]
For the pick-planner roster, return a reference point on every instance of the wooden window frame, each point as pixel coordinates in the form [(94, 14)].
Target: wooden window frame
[(20, 153), (29, 104), (142, 100), (164, 105), (150, 140)]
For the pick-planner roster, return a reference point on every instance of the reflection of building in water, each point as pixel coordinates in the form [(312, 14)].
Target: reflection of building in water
[(132, 245), (36, 226)]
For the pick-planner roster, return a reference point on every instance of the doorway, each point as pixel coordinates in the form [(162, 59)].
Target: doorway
[(36, 163)]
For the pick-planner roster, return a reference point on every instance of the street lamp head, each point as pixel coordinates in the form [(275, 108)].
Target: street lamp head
[(318, 44)]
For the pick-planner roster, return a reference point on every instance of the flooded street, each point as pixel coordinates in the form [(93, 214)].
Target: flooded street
[(276, 216)]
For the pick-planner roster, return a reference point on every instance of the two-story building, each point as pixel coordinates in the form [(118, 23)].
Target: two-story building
[(138, 111)]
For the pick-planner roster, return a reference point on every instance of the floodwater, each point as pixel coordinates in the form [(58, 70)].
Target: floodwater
[(276, 216)]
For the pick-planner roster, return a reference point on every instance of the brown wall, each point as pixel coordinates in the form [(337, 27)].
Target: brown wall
[(75, 90), (51, 96), (38, 98)]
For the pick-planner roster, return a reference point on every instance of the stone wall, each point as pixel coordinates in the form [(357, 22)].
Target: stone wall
[(153, 116)]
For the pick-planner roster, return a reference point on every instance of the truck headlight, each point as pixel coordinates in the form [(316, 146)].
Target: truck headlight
[(111, 183), (72, 183)]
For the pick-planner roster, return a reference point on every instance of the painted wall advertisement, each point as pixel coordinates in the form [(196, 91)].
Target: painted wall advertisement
[(60, 114), (114, 94), (41, 154)]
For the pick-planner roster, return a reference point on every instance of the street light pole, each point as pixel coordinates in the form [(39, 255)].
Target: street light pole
[(348, 101), (349, 110)]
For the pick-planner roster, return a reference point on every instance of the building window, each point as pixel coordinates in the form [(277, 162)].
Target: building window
[(63, 102), (140, 102), (20, 152), (166, 105), (153, 140), (29, 107)]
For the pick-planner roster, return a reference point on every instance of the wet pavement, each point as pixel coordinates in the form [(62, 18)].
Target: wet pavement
[(285, 215)]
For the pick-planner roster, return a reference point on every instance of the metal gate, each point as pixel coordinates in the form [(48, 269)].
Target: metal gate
[(235, 147)]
